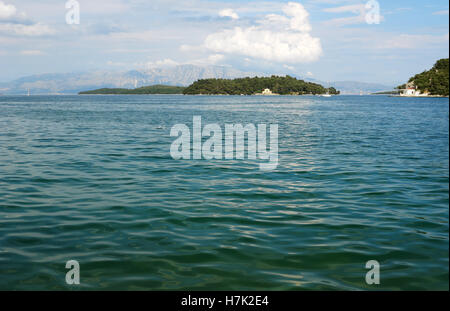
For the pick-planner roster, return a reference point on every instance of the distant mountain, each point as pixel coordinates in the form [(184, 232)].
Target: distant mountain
[(180, 75), (145, 90), (354, 87), (72, 83)]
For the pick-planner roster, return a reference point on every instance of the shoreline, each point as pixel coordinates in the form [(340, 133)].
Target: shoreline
[(253, 95), (419, 96)]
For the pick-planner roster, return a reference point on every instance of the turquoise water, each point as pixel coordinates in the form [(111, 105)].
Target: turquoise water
[(90, 178)]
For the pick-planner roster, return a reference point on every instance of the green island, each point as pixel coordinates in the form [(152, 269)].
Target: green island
[(395, 92), (433, 82), (274, 85), (153, 89)]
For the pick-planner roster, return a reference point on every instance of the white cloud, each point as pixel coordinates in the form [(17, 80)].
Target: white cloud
[(354, 8), (407, 41), (229, 13), (26, 30), (166, 62), (10, 14), (210, 60), (100, 7), (163, 63), (188, 48), (359, 9), (299, 17), (443, 12), (215, 58), (279, 38), (14, 23), (31, 52), (7, 10)]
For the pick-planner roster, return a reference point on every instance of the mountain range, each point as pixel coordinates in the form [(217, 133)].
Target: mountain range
[(179, 75)]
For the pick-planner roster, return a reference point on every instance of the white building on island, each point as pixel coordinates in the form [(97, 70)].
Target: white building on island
[(267, 92), (411, 90)]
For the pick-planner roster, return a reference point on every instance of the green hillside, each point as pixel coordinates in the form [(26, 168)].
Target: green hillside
[(435, 81), (249, 86), (154, 89)]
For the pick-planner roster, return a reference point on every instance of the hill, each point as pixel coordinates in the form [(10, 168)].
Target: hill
[(75, 82), (154, 89), (181, 75), (434, 81), (249, 86)]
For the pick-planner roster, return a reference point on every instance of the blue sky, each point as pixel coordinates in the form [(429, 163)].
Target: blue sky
[(329, 40)]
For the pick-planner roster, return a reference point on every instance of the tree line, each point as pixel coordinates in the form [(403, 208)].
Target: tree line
[(249, 86), (153, 89), (435, 81)]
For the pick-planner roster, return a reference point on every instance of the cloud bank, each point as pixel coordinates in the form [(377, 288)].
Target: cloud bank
[(278, 38), (14, 23), (229, 13), (360, 11), (7, 10)]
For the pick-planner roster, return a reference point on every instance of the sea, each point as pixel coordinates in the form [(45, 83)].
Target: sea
[(360, 180)]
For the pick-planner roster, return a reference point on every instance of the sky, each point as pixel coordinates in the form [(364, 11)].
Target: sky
[(327, 40)]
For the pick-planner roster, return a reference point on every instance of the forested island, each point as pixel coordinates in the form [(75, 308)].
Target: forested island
[(274, 85), (434, 82), (146, 90)]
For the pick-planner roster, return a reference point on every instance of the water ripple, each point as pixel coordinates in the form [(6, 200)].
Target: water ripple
[(91, 179)]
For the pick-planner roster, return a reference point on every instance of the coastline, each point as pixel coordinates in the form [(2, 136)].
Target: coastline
[(419, 96)]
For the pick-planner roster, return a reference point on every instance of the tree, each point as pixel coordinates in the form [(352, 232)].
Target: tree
[(248, 86), (435, 81)]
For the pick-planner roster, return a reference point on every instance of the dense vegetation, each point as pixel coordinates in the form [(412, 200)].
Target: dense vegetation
[(249, 86), (154, 89), (386, 93), (434, 81)]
